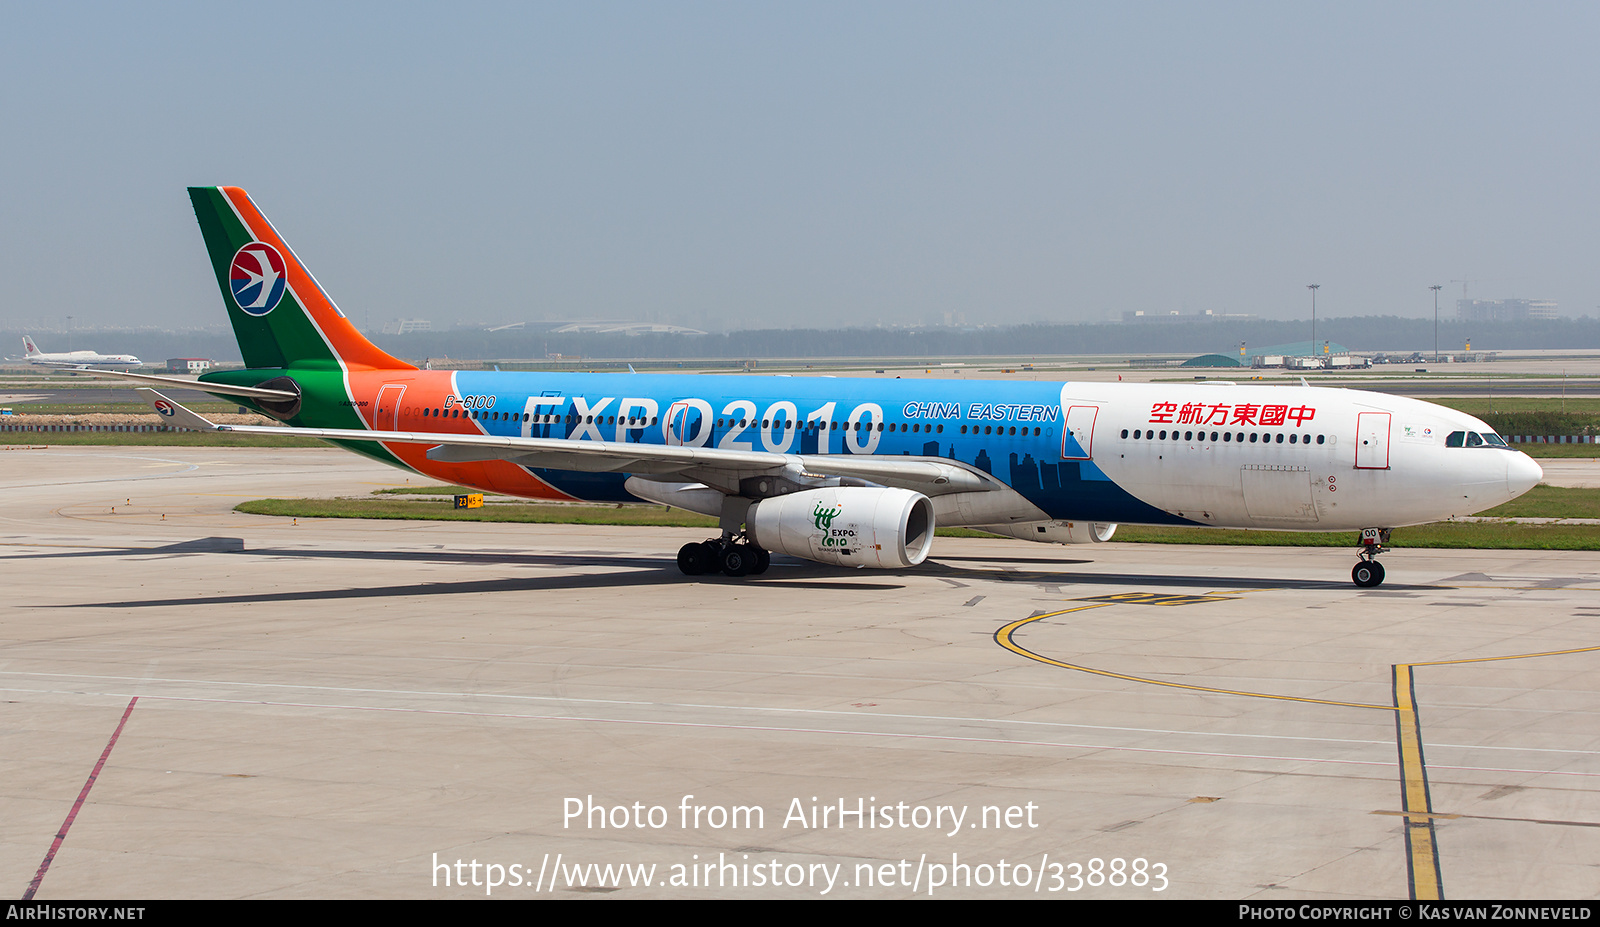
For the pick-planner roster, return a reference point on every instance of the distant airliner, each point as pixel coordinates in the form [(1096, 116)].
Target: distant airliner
[(32, 355), (846, 471)]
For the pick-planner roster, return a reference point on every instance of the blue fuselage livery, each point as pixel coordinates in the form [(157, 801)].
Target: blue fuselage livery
[(1015, 433), (851, 472)]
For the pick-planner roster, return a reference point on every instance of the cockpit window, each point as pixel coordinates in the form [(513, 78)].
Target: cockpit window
[(1473, 439)]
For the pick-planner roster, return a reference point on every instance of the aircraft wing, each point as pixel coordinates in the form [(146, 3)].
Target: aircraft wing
[(715, 466)]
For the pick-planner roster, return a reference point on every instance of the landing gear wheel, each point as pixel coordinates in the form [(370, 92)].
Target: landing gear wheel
[(763, 560), (709, 560), (1367, 574), (736, 560), (690, 560)]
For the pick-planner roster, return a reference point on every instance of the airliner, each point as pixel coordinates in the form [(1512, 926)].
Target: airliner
[(33, 355), (848, 472)]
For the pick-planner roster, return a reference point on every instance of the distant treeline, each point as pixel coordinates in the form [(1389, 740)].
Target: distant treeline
[(1185, 339), (1386, 333)]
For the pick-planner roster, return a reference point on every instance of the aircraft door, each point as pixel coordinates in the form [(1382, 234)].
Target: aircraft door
[(1080, 426), (535, 410), (386, 417), (688, 423), (1372, 440)]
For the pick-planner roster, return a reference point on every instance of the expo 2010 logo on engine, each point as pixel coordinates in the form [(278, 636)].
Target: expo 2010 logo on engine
[(257, 278)]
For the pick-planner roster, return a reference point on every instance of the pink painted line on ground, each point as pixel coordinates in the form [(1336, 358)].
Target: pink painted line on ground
[(89, 784)]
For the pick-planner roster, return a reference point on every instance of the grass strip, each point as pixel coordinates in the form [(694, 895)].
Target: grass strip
[(1550, 502), (529, 513), (151, 439), (1497, 535)]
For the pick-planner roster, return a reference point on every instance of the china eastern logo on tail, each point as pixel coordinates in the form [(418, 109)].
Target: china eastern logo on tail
[(257, 278)]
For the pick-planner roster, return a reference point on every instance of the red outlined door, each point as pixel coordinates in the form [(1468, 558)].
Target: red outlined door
[(1080, 429), (688, 423), (1372, 440)]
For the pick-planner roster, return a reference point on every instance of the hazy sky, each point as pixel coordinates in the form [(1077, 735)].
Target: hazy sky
[(744, 164)]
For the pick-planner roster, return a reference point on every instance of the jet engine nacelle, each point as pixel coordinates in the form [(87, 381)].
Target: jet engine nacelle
[(846, 526), (1056, 532)]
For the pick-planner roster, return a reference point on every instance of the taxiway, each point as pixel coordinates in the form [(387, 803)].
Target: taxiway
[(338, 708)]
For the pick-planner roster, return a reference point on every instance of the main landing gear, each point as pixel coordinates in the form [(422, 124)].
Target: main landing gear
[(726, 555), (1369, 572)]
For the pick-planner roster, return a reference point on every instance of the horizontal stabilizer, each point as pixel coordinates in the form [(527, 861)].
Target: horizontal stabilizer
[(216, 389), (174, 413)]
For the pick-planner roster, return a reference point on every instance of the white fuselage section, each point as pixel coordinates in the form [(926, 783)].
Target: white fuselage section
[(33, 355), (1353, 459)]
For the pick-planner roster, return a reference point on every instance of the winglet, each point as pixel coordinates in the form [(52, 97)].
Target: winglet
[(176, 414)]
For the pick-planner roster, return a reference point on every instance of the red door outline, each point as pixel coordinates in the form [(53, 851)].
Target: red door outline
[(1372, 440), (1080, 425)]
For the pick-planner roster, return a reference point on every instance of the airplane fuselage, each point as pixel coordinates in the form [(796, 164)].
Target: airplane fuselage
[(1275, 457), (33, 355), (85, 359)]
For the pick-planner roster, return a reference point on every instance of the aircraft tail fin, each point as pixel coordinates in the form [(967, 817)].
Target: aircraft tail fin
[(29, 348), (280, 314)]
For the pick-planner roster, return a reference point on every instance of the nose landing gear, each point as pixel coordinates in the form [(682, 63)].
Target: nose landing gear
[(1369, 572), (726, 555)]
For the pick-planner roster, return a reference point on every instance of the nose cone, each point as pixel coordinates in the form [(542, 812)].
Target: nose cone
[(1522, 474)]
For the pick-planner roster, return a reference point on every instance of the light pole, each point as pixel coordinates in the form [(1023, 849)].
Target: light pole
[(1436, 288), (1313, 288)]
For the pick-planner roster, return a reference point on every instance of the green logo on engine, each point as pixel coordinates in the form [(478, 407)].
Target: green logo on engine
[(825, 517)]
